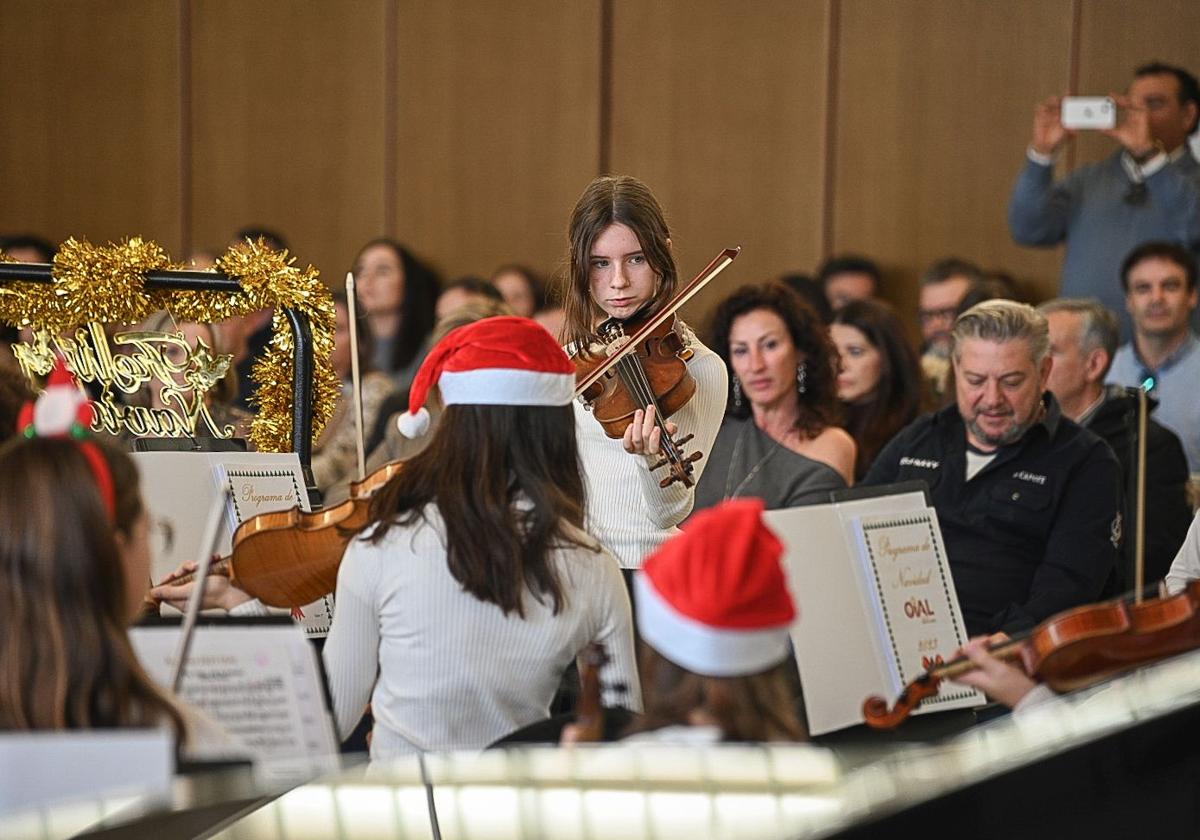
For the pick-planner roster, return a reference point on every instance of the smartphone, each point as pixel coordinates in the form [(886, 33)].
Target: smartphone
[(1088, 112)]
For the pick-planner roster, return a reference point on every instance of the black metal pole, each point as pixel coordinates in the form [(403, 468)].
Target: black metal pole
[(212, 281)]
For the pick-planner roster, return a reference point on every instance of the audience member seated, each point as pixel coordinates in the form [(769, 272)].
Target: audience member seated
[(1083, 339), (335, 452), (29, 249), (474, 586), (810, 292), (943, 287), (219, 400), (396, 293), (521, 289), (247, 336), (880, 383), (779, 440), (1149, 189), (385, 442), (462, 291), (1028, 501), (714, 612), (1164, 356), (75, 562), (848, 278)]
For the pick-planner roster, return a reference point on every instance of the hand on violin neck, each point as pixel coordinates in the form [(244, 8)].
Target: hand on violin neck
[(644, 436), (219, 592), (999, 680)]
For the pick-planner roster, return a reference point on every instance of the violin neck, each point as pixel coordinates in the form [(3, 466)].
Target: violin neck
[(220, 567), (956, 667)]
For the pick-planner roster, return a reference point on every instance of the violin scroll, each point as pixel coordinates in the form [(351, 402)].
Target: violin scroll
[(877, 714)]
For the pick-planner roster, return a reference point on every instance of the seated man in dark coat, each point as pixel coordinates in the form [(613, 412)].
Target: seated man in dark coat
[(1083, 338), (1028, 501)]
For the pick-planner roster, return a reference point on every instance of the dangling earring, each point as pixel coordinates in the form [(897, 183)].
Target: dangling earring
[(737, 393), (802, 377)]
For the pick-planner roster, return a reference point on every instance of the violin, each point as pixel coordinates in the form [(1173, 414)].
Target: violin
[(1074, 649), (645, 364)]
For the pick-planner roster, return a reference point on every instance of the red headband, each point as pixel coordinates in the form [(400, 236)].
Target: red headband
[(62, 410)]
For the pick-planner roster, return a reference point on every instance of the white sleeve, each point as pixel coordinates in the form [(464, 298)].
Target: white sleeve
[(615, 633), (1039, 695), (351, 652), (1186, 566), (701, 417)]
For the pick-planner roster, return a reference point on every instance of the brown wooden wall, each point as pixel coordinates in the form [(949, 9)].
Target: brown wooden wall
[(467, 128)]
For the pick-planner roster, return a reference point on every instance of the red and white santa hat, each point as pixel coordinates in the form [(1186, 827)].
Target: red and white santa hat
[(496, 361), (714, 599)]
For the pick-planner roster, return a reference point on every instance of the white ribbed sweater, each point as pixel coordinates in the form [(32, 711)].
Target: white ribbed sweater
[(626, 509), (453, 671)]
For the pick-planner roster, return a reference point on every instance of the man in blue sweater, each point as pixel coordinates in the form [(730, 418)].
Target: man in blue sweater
[(1149, 189)]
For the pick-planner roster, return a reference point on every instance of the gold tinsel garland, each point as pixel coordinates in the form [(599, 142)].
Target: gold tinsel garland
[(107, 284)]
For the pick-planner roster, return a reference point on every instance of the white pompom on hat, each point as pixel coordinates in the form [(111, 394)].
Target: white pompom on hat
[(496, 361), (714, 599)]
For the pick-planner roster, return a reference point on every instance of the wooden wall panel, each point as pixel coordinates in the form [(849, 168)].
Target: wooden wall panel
[(935, 110), (1117, 37), (720, 109), (89, 97), (498, 128), (288, 124)]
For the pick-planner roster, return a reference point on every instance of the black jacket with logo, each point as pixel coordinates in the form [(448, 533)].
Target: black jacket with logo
[(1034, 532), (1168, 513)]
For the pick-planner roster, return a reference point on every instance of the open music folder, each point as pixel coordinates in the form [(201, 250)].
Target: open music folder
[(876, 601)]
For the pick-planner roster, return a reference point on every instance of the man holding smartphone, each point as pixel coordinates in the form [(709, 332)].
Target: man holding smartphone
[(1147, 190)]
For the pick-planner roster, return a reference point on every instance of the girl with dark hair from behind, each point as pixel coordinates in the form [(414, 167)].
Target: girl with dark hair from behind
[(396, 293), (74, 569), (880, 383), (475, 586)]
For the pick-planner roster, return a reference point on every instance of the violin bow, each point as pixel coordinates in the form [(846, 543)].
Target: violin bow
[(355, 375), (685, 294)]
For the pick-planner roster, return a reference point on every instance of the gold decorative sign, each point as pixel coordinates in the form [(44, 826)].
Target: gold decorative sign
[(136, 362), (95, 285)]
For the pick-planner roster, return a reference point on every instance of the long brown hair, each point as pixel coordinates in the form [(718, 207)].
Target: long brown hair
[(901, 393), (611, 200), (753, 708), (65, 656), (507, 483)]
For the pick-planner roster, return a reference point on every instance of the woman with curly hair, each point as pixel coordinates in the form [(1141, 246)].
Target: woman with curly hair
[(780, 439)]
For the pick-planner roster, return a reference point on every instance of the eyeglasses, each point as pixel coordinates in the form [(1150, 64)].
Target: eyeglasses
[(947, 314)]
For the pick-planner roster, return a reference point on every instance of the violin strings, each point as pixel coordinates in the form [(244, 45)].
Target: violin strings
[(633, 375)]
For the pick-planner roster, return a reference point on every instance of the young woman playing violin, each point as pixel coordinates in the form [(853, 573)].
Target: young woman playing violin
[(474, 586), (621, 268)]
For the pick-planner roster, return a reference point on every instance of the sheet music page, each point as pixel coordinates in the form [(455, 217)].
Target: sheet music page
[(913, 599), (261, 683), (257, 488)]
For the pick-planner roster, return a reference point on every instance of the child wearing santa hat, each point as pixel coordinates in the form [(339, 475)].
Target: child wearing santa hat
[(714, 613), (474, 587)]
